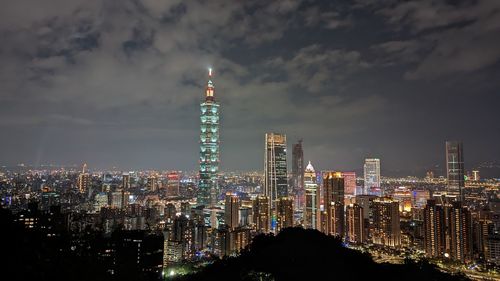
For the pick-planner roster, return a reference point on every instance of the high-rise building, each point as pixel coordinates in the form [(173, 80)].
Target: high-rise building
[(448, 230), (284, 213), (83, 182), (312, 212), (386, 224), (349, 182), (231, 209), (355, 224), (173, 182), (333, 187), (460, 229), (126, 181), (152, 183), (372, 177), (261, 214), (366, 203), (209, 146), (297, 179), (455, 169), (434, 230), (275, 169)]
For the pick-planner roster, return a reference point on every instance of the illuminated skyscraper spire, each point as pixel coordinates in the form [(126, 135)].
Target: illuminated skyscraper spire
[(209, 146)]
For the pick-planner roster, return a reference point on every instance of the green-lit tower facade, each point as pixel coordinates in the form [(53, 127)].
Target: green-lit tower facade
[(209, 146)]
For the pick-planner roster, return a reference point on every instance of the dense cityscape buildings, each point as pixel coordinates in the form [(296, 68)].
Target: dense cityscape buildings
[(162, 220)]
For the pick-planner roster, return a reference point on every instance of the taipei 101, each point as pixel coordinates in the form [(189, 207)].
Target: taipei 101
[(265, 140)]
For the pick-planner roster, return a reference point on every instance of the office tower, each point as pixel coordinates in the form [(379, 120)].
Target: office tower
[(126, 181), (297, 179), (355, 224), (349, 182), (333, 187), (209, 146), (284, 213), (83, 180), (231, 209), (372, 177), (275, 172), (173, 182), (261, 214), (312, 213), (152, 183), (386, 227), (455, 169)]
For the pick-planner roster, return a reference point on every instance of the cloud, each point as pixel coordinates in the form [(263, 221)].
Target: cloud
[(448, 37), (314, 67)]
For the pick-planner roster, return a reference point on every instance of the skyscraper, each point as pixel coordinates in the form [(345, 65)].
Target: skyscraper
[(83, 180), (209, 145), (312, 211), (333, 187), (349, 182), (231, 210), (275, 178), (387, 229), (455, 169), (448, 230), (355, 224), (126, 181), (372, 177), (284, 213), (297, 179), (261, 214), (173, 182)]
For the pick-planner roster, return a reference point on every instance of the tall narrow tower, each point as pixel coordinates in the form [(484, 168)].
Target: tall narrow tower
[(455, 169), (209, 145)]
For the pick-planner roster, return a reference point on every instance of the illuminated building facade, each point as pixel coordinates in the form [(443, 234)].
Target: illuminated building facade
[(355, 224), (275, 169), (284, 213), (455, 169), (448, 231), (173, 182), (275, 172), (231, 209), (372, 177), (152, 183), (333, 188), (261, 214), (209, 146), (126, 181), (386, 222), (312, 213), (297, 180), (349, 182), (83, 182)]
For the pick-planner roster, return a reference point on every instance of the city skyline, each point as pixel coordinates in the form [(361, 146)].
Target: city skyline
[(81, 83)]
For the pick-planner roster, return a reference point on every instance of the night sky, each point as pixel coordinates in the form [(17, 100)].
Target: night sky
[(119, 82)]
